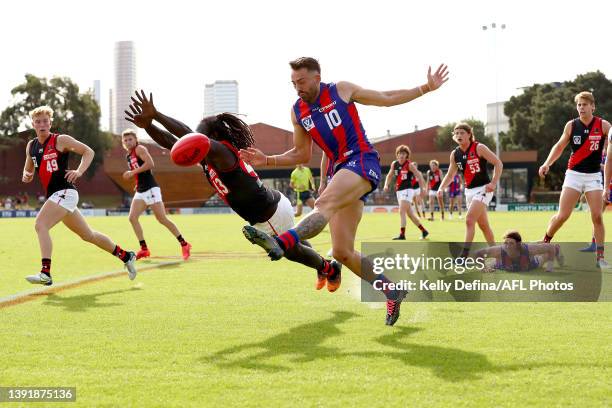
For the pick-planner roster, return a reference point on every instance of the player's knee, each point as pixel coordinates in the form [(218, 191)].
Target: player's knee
[(597, 219), (342, 255), (133, 218), (162, 219), (40, 226)]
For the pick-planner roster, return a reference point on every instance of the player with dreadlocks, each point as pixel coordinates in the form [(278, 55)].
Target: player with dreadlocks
[(235, 181)]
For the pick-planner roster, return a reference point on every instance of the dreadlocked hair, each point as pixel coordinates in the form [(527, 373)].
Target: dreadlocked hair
[(229, 128)]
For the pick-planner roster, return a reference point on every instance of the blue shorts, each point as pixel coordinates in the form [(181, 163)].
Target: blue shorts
[(367, 165), (454, 193)]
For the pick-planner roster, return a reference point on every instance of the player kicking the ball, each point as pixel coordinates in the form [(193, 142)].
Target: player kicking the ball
[(326, 114), (47, 154), (235, 181), (148, 193)]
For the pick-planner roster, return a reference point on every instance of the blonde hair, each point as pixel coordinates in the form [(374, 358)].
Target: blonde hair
[(437, 163), (129, 132), (466, 127), (41, 110), (586, 95)]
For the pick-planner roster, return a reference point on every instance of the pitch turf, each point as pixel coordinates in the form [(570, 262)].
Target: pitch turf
[(231, 328)]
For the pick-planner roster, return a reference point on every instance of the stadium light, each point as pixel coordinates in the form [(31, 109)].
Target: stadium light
[(494, 28)]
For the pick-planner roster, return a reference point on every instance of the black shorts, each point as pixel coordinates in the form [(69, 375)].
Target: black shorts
[(304, 196)]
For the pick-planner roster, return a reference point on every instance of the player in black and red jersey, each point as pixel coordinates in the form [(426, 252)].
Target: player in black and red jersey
[(405, 172), (148, 193), (47, 154), (434, 178), (235, 181), (471, 158), (586, 136)]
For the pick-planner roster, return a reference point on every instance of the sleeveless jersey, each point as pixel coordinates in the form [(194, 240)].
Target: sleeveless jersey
[(403, 175), (51, 164), (523, 263), (145, 180), (586, 142), (473, 167), (455, 185), (333, 124), (241, 189), (434, 179)]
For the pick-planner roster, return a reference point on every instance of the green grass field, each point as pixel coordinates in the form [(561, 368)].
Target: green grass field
[(231, 328)]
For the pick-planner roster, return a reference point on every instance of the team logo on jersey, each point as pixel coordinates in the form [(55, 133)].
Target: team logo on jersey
[(308, 123), (577, 139)]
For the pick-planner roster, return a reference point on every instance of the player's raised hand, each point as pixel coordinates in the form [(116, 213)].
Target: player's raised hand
[(136, 116), (438, 78), (147, 108), (253, 156)]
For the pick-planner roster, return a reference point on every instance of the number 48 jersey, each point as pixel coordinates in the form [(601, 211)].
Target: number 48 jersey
[(474, 167), (51, 165)]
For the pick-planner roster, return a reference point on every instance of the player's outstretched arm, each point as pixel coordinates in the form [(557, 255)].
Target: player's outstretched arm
[(351, 92), (608, 165)]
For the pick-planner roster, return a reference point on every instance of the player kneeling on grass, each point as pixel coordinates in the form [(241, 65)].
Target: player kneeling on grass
[(148, 193), (236, 182), (516, 256), (47, 154)]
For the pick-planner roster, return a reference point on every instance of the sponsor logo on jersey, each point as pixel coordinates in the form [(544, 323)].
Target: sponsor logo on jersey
[(324, 108), (50, 156), (346, 154), (373, 174), (308, 123), (594, 137), (352, 163), (40, 150)]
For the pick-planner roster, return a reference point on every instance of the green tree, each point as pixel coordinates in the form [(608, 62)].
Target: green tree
[(76, 114), (539, 114), (444, 140)]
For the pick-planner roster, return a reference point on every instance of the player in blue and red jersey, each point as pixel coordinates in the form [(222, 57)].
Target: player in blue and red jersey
[(47, 155), (454, 195), (326, 114), (586, 136)]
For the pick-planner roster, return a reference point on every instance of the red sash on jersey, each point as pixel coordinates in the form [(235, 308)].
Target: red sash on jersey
[(592, 144), (48, 164), (402, 171)]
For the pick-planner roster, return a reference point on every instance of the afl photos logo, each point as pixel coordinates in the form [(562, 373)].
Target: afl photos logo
[(308, 123)]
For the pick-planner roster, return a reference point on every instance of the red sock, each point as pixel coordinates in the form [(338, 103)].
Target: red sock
[(121, 254), (46, 266), (421, 228), (403, 231)]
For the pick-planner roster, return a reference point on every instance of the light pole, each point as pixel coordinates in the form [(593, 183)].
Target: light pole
[(494, 28)]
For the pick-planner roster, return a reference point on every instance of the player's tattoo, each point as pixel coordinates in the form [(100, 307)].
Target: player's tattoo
[(311, 225)]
